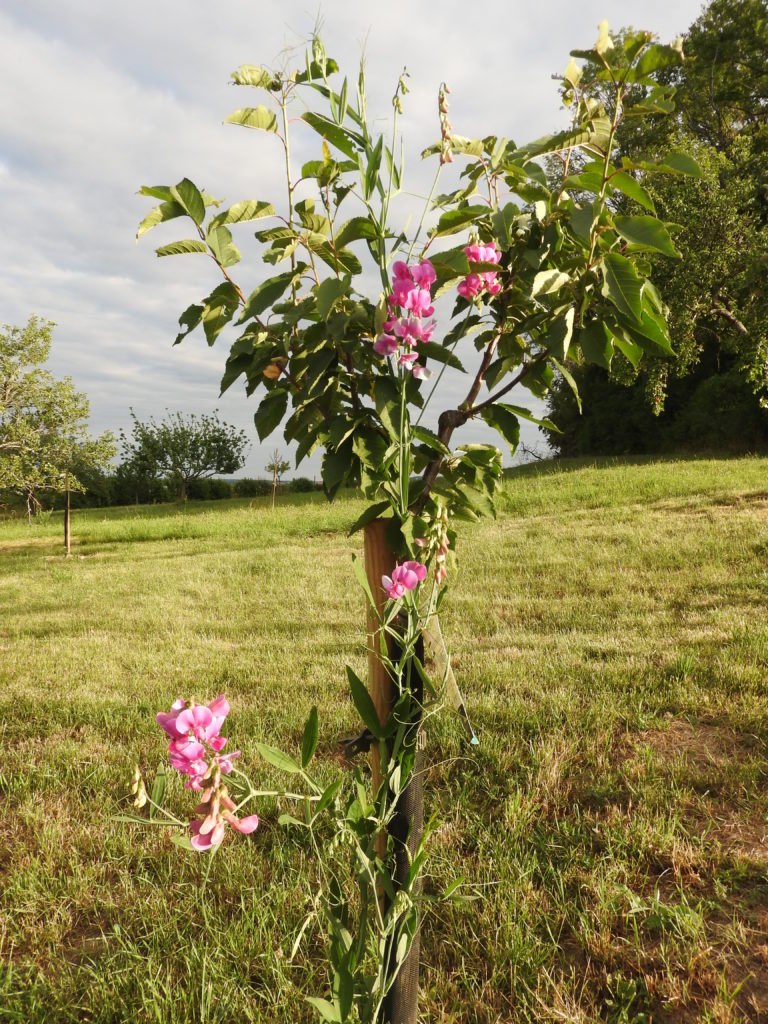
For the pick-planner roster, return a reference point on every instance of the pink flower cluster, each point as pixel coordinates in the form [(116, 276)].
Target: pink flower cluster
[(473, 284), (404, 577), (411, 295), (195, 749)]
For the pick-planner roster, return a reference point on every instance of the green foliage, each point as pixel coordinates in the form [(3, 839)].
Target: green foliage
[(715, 297), (179, 450), (570, 258), (44, 443)]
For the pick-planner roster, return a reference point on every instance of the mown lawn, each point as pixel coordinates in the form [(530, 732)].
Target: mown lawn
[(610, 634)]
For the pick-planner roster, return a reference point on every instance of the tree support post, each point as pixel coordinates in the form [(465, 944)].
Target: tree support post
[(67, 517), (406, 828)]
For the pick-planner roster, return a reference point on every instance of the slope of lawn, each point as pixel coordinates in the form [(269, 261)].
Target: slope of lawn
[(609, 630)]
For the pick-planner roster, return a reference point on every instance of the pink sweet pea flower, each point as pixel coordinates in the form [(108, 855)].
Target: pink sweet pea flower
[(407, 358), (418, 568), (194, 721), (206, 840), (424, 274), (225, 762), (471, 286), (243, 825), (420, 372), (386, 345), (403, 579)]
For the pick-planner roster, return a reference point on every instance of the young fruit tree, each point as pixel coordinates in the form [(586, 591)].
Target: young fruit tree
[(44, 440), (182, 448), (529, 273)]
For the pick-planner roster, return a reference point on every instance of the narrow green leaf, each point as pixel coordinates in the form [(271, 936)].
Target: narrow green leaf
[(525, 414), (364, 704), (310, 738), (570, 381), (185, 245), (362, 579), (183, 841), (158, 790), (278, 759), (326, 1010), (342, 138), (254, 117)]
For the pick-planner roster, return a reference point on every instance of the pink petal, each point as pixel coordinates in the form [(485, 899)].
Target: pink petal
[(244, 825), (168, 722), (219, 707), (193, 718)]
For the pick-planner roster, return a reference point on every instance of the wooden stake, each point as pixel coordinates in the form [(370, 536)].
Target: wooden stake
[(67, 517)]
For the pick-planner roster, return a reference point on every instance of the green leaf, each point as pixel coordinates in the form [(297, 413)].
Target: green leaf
[(326, 1010), (646, 233), (621, 285), (248, 209), (328, 293), (570, 381), (160, 214), (310, 737), (632, 189), (158, 791), (278, 758), (681, 163), (388, 405), (507, 424), (457, 220), (354, 229), (188, 197), (254, 117), (362, 579), (596, 343), (371, 513), (337, 259), (656, 57), (220, 243), (558, 336), (548, 281), (433, 350), (251, 74), (180, 248), (265, 294), (183, 841), (629, 349), (342, 138), (270, 412), (364, 704), (219, 308), (524, 414)]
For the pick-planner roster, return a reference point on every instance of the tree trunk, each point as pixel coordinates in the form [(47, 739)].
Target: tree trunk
[(67, 518), (183, 491), (401, 1005)]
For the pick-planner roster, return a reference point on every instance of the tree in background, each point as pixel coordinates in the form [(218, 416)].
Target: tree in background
[(276, 466), (712, 395), (44, 443), (181, 449)]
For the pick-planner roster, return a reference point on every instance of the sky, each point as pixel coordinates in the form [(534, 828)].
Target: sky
[(99, 98)]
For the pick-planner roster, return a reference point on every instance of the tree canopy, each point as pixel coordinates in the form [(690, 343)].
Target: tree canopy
[(182, 448), (716, 296), (44, 442)]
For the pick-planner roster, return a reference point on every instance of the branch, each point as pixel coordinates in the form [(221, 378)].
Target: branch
[(726, 314)]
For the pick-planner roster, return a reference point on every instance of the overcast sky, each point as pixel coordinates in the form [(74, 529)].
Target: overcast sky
[(98, 98)]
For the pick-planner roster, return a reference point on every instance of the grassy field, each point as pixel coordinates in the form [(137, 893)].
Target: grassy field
[(610, 635)]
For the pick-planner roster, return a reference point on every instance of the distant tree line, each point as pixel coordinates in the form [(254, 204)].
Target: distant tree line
[(712, 396)]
